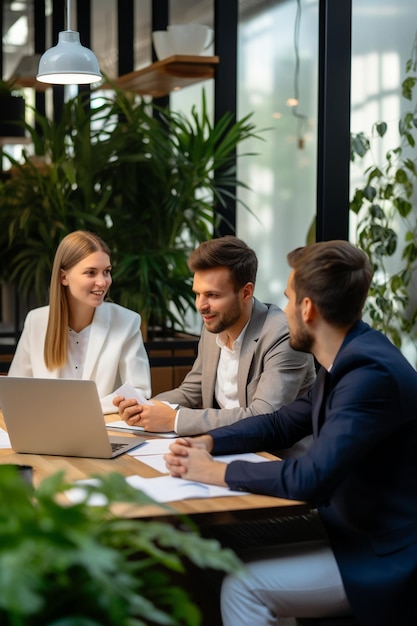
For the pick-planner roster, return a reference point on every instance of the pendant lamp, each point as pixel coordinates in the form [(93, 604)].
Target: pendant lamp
[(68, 63)]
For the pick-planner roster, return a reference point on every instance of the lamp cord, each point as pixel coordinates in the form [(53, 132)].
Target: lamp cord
[(302, 119), (69, 15)]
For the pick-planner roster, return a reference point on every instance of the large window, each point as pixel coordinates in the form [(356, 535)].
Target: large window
[(277, 63), (272, 45)]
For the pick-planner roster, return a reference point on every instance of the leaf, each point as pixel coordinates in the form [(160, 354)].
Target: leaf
[(77, 564), (396, 282), (376, 212), (400, 176), (403, 207), (357, 201), (381, 128), (369, 192), (359, 144), (410, 253), (375, 172), (407, 87)]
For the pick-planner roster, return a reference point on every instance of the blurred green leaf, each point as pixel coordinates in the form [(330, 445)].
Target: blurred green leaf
[(76, 564)]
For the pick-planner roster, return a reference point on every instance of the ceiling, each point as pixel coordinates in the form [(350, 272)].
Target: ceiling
[(18, 24)]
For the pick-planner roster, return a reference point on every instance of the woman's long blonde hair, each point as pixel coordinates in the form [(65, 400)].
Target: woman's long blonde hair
[(72, 249)]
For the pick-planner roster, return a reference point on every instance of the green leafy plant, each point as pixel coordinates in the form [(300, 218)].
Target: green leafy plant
[(145, 179), (384, 208), (81, 565)]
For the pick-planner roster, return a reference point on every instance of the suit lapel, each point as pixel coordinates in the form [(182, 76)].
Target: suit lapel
[(209, 369), (250, 340), (245, 361), (322, 385), (318, 413)]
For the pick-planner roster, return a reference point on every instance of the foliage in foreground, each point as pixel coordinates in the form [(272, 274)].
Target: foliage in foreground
[(81, 565)]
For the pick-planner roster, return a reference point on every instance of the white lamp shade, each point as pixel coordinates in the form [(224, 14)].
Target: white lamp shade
[(69, 63)]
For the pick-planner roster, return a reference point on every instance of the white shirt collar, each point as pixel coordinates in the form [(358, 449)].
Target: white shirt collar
[(237, 342)]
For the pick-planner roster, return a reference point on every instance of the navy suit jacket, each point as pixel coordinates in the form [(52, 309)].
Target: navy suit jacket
[(360, 472)]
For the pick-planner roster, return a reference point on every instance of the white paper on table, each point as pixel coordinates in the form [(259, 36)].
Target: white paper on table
[(121, 426), (156, 460), (169, 489), (4, 439), (128, 391), (153, 446), (160, 489)]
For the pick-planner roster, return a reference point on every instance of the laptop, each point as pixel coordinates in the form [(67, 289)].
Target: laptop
[(59, 417)]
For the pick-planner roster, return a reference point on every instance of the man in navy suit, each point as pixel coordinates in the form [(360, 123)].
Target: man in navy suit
[(360, 472)]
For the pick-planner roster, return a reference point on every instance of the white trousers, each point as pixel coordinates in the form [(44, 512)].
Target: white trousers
[(291, 580)]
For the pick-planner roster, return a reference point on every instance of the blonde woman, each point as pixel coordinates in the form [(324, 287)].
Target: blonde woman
[(80, 335)]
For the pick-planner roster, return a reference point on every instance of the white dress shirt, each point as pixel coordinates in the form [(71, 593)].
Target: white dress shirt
[(226, 381), (77, 349)]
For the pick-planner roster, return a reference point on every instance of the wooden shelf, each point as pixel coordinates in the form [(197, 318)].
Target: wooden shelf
[(30, 81), (156, 80), (15, 141), (170, 74)]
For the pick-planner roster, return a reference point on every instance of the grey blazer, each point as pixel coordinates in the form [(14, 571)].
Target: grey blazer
[(270, 374)]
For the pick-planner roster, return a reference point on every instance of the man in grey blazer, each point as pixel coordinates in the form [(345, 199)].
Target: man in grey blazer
[(245, 365)]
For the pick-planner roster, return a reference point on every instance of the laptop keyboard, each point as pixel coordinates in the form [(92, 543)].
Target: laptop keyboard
[(117, 446)]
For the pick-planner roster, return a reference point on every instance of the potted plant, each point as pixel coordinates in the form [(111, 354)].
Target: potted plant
[(385, 206), (145, 183), (81, 565)]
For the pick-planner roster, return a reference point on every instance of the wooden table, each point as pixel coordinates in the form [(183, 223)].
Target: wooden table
[(221, 510)]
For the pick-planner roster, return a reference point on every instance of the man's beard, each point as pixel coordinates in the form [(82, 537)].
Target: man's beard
[(300, 338), (226, 320)]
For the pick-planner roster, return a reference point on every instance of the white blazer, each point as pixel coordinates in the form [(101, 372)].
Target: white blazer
[(115, 354)]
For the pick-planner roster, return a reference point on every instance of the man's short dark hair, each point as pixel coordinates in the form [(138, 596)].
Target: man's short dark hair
[(230, 252), (336, 276)]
